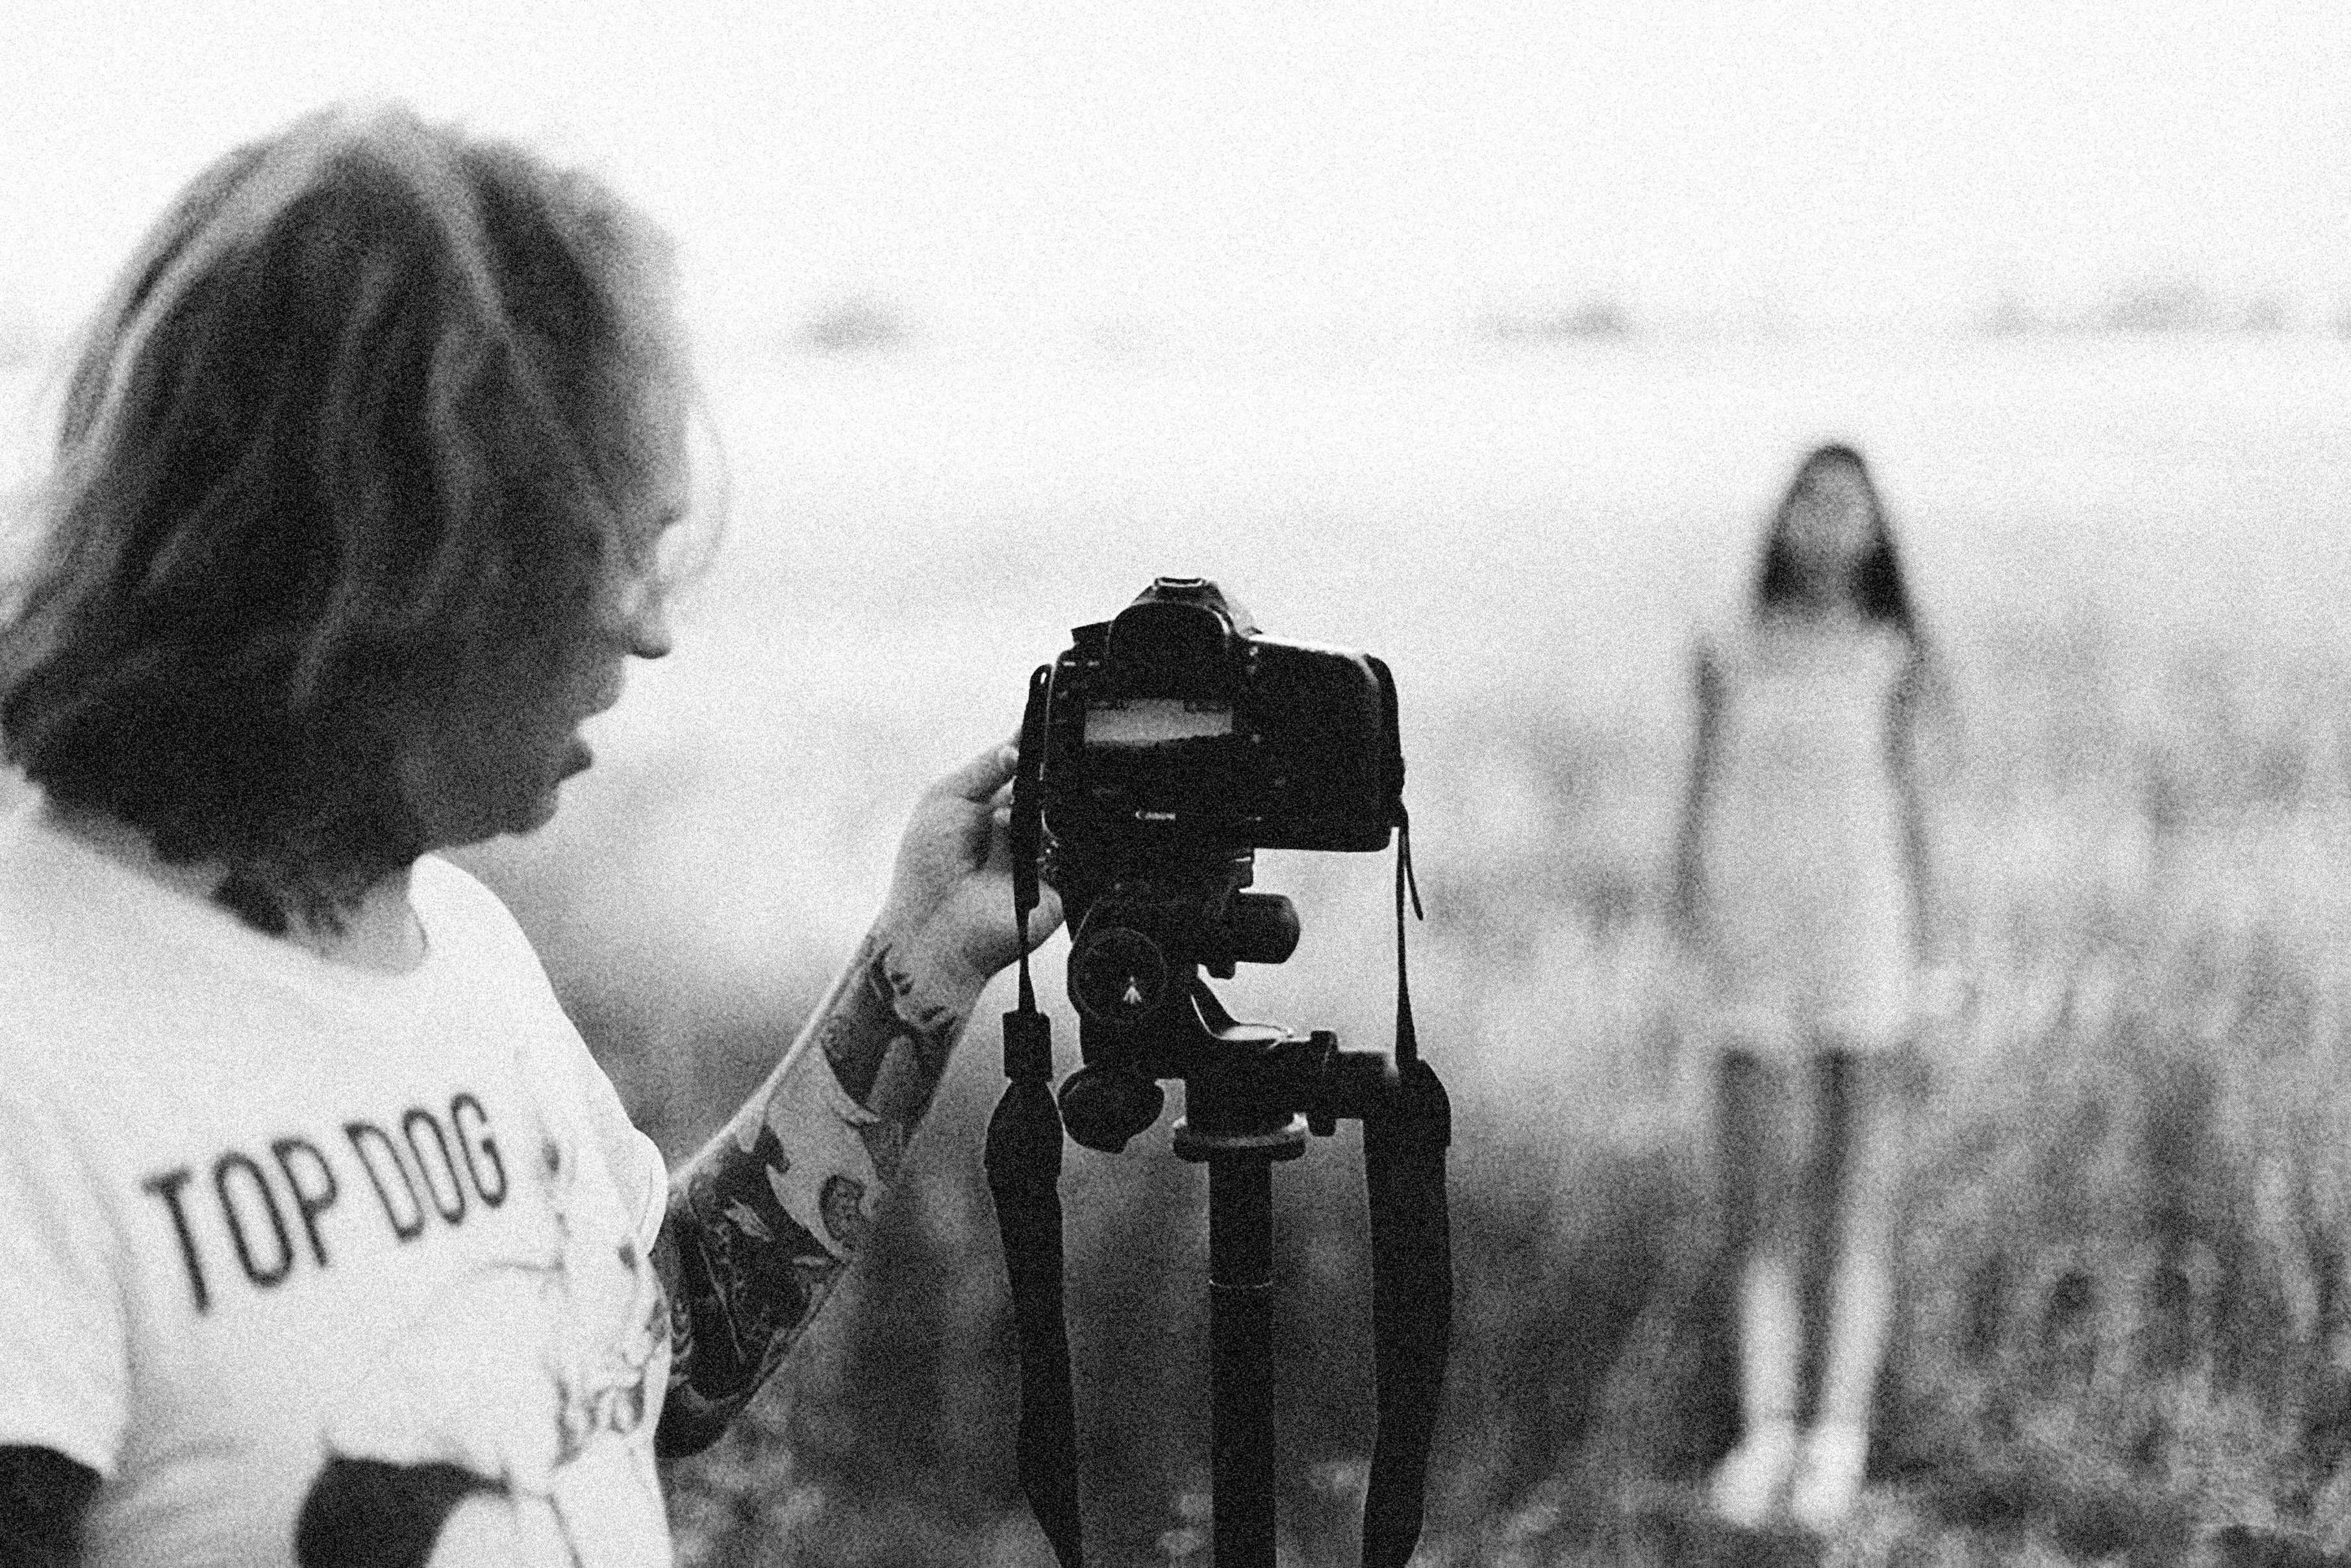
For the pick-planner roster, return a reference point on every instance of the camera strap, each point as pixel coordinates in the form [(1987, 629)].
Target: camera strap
[(1023, 1161), (1408, 1041), (1412, 1268)]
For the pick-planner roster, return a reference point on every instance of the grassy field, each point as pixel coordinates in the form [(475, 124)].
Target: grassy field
[(2125, 1332), (2125, 1315)]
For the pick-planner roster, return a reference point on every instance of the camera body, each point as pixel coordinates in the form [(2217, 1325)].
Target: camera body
[(1179, 723), (1172, 743)]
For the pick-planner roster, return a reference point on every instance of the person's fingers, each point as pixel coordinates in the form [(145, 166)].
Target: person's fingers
[(983, 776), (996, 843)]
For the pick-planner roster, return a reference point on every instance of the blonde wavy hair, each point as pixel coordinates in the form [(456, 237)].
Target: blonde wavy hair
[(362, 428)]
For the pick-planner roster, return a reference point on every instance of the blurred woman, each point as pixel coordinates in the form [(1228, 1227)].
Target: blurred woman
[(1804, 890), (322, 1238)]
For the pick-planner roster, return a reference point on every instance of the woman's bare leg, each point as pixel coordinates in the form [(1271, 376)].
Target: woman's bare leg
[(1864, 1119), (1763, 1132)]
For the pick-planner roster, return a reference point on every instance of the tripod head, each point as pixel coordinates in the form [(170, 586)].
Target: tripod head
[(1136, 955)]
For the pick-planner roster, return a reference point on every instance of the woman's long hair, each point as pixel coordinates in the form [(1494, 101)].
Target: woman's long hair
[(1874, 585), (1924, 718), (359, 431)]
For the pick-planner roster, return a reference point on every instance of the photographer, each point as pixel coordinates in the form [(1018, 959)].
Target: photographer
[(322, 1238)]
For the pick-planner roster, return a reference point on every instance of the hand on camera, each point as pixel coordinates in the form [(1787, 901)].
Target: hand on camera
[(949, 912)]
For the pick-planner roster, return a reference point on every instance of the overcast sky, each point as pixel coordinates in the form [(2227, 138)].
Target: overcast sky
[(998, 167)]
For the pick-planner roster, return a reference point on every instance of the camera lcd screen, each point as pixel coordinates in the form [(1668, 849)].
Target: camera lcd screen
[(1155, 722)]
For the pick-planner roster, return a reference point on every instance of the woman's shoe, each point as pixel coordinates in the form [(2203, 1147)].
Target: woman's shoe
[(1746, 1486), (1828, 1477)]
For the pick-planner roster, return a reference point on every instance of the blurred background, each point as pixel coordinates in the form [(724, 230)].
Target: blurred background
[(1481, 336)]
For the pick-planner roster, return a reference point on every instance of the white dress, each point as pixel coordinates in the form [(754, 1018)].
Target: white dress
[(1805, 915)]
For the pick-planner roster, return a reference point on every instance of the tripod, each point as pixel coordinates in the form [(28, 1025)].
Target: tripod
[(1253, 1093)]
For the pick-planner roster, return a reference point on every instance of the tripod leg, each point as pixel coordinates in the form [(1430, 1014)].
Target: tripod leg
[(1240, 1319)]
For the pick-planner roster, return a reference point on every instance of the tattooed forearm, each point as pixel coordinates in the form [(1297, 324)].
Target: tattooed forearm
[(762, 1221)]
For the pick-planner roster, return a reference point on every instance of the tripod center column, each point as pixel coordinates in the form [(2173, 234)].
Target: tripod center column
[(1240, 1348)]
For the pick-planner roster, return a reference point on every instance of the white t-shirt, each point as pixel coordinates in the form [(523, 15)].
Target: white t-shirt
[(269, 1223)]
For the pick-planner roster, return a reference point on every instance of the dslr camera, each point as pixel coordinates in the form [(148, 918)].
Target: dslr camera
[(1169, 745)]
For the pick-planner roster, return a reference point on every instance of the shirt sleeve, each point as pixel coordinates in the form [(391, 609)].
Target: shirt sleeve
[(64, 1380), (633, 1158)]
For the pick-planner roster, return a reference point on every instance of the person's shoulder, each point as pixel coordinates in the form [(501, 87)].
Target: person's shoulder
[(30, 846), (1718, 641), (57, 901), (440, 882), (77, 984), (1734, 649), (467, 922), (458, 906)]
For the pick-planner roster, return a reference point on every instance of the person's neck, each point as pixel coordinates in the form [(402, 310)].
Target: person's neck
[(379, 931)]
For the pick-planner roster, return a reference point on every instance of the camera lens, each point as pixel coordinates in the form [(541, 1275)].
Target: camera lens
[(1118, 975)]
